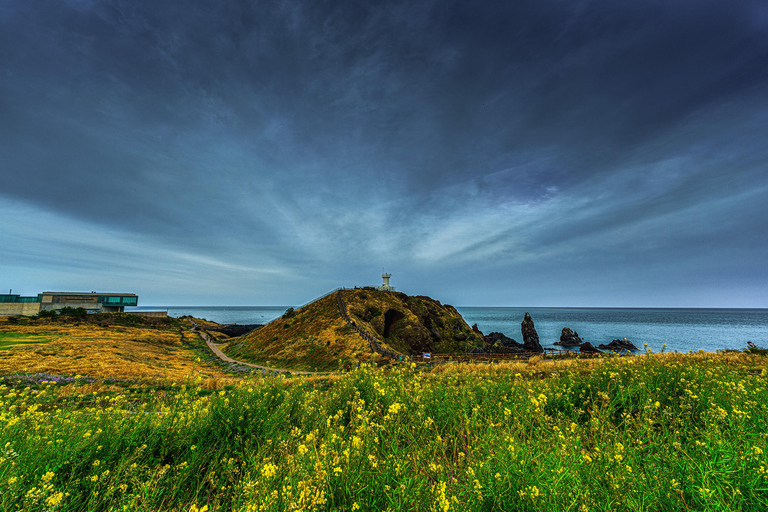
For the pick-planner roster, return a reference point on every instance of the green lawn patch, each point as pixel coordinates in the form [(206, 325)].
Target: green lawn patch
[(12, 339)]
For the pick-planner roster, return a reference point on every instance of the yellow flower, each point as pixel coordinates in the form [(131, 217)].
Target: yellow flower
[(54, 499), (269, 470), (355, 506), (48, 477)]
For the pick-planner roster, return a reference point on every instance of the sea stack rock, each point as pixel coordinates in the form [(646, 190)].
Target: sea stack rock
[(530, 336), (569, 338), (588, 348)]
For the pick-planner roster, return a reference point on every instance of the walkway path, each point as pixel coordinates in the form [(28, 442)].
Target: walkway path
[(372, 341), (224, 357)]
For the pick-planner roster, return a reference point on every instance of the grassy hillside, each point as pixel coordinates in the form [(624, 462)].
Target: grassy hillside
[(316, 338), (411, 324), (103, 346)]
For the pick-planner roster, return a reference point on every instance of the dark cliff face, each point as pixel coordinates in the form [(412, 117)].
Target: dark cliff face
[(412, 324)]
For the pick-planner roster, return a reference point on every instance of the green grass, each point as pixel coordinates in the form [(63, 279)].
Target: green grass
[(12, 339), (652, 432)]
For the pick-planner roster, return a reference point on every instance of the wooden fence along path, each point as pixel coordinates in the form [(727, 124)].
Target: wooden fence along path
[(371, 339)]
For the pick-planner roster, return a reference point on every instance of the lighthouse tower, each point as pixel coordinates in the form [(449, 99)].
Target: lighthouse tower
[(385, 284)]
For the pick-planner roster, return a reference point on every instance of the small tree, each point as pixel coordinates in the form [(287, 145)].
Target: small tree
[(73, 312), (289, 313)]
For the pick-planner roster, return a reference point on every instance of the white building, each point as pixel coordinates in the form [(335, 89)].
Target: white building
[(385, 284)]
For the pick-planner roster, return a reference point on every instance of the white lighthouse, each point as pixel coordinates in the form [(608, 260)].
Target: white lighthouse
[(385, 283)]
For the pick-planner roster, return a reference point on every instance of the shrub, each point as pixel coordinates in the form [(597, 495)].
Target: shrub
[(73, 312)]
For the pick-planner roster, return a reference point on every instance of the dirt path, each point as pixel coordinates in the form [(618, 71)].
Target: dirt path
[(224, 357)]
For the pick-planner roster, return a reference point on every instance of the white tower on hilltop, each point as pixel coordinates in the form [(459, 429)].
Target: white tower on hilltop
[(385, 284)]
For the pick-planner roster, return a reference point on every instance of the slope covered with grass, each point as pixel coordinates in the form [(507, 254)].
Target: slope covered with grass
[(315, 338), (318, 338)]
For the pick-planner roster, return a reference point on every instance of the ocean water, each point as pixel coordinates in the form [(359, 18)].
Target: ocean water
[(681, 330)]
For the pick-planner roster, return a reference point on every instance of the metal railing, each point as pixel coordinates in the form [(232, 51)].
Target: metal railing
[(310, 302), (372, 341)]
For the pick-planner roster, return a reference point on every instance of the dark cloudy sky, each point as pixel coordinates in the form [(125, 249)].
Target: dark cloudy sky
[(529, 153)]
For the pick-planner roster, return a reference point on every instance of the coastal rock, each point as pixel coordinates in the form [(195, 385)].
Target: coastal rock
[(622, 344), (530, 336), (500, 340), (477, 330), (588, 348), (569, 338)]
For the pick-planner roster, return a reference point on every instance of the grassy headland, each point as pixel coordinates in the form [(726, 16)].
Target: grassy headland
[(317, 338)]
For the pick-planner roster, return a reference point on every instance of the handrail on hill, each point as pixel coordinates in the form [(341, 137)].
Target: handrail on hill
[(372, 341), (340, 288), (310, 302)]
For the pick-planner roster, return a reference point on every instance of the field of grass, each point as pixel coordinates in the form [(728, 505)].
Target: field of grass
[(664, 432), (101, 347)]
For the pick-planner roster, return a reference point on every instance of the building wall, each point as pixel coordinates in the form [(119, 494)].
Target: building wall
[(150, 314), (19, 308), (88, 306)]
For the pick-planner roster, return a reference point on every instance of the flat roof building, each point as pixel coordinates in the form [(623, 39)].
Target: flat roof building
[(93, 302)]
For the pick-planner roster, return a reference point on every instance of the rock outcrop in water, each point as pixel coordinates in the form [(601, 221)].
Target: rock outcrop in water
[(622, 344), (530, 336), (498, 342), (569, 338), (588, 348)]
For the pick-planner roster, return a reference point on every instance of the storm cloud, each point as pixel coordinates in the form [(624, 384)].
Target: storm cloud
[(503, 153)]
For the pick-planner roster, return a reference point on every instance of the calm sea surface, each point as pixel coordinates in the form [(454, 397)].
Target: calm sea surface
[(682, 330)]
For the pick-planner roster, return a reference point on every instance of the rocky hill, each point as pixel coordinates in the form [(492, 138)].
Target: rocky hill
[(411, 324), (316, 337)]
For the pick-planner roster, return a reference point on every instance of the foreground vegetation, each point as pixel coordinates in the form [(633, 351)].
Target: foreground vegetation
[(651, 432)]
